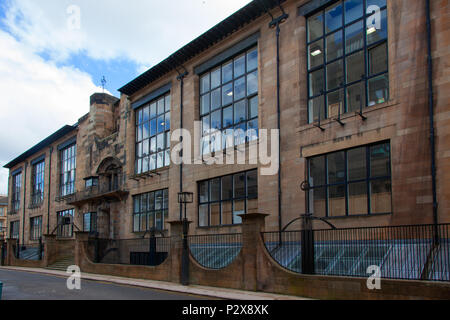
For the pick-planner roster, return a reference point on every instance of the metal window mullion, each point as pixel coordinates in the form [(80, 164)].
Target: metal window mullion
[(326, 188), (369, 211)]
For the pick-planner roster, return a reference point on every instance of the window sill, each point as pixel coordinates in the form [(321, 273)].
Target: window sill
[(348, 115), (218, 227), (227, 151), (149, 174), (36, 206), (359, 216)]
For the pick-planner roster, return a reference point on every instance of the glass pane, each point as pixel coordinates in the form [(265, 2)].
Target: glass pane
[(376, 32), (335, 75), (380, 165), (317, 202), (227, 215), (204, 83), (160, 160), (151, 220), (137, 204), (238, 208), (216, 141), (203, 191), (158, 200), (357, 198), (252, 60), (252, 83), (355, 67), (316, 83), (215, 99), (204, 104), (153, 145), (378, 60), (239, 66), (336, 201), (205, 125), (167, 103), (161, 108), (138, 119), (146, 114), (316, 108), (239, 111), (146, 130), (357, 169), (239, 88), (239, 185), (153, 110), (203, 215), (165, 199), (160, 142), (151, 201), (167, 121), (333, 17), (215, 214), (354, 37), (215, 190), (315, 26), (161, 124), (228, 138), (356, 97), (205, 145), (153, 162), (336, 167), (136, 219), (227, 72), (253, 108), (380, 196), (227, 117), (315, 54), (240, 133), (353, 10), (317, 171), (252, 130), (215, 78), (335, 103), (227, 94), (252, 184), (153, 127), (167, 158), (378, 90), (335, 46), (227, 187), (216, 121)]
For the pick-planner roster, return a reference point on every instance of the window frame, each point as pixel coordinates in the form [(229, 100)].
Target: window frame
[(232, 199), (68, 188), (35, 235), (167, 98), (14, 226), (206, 139), (93, 222), (38, 179), (164, 211), (344, 86), (65, 231), (16, 190), (347, 182)]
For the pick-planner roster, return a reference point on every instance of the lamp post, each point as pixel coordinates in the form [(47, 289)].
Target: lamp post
[(185, 198)]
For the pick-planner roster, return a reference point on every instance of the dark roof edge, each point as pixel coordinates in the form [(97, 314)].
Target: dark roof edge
[(220, 31), (41, 145)]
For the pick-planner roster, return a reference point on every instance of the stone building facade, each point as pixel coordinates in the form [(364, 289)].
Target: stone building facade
[(351, 101), (3, 219)]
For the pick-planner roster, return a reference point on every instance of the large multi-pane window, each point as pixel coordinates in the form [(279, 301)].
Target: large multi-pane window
[(65, 223), (16, 187), (14, 229), (153, 135), (35, 228), (229, 103), (90, 222), (351, 182), (151, 210), (37, 195), (68, 170), (347, 58), (222, 200)]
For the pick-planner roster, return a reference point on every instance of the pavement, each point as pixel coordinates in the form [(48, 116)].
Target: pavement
[(188, 292)]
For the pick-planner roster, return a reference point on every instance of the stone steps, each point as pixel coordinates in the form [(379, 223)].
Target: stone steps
[(62, 264)]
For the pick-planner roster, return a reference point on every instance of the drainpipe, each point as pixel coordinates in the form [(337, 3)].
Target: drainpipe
[(48, 193), (275, 23), (24, 202), (431, 115), (180, 78)]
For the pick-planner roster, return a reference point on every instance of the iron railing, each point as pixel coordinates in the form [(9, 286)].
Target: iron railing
[(415, 252), (215, 251), (33, 252), (150, 251)]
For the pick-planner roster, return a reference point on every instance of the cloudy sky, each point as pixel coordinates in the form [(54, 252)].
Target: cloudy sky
[(54, 53)]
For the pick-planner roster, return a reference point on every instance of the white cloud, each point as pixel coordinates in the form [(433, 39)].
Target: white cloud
[(143, 31), (38, 98)]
